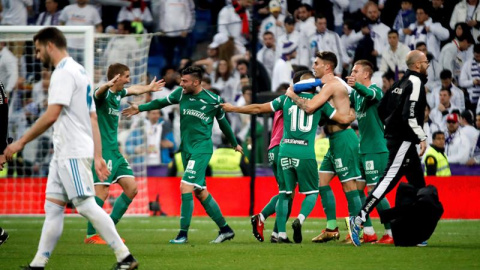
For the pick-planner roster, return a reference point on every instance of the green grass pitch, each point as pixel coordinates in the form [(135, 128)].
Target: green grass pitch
[(454, 245)]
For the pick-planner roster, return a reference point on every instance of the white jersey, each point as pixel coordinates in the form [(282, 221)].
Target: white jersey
[(71, 87)]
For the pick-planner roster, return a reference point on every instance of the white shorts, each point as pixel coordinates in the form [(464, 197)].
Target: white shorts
[(70, 178)]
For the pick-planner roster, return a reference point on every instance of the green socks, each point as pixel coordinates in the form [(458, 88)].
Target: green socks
[(363, 198), (269, 209), (308, 204), (282, 212), (329, 205), (90, 229), (384, 205), (213, 210), (120, 207), (186, 211), (354, 203), (290, 203)]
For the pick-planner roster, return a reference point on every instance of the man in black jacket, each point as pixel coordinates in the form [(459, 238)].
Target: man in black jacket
[(402, 111)]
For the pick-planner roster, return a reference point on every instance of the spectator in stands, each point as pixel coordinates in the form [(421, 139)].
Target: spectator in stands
[(160, 142), (273, 23), (262, 80), (434, 66), (123, 49), (290, 35), (226, 162), (8, 69), (457, 145), (469, 12), (233, 23), (446, 82), (435, 160), (176, 19), (224, 80), (375, 39), (339, 6), (138, 14), (305, 25), (424, 29), (51, 14), (470, 77), (282, 72), (444, 107), (350, 38), (429, 127), (405, 17), (210, 63), (388, 79), (394, 58), (266, 55), (466, 125), (475, 156), (327, 40), (80, 13), (440, 13), (455, 54), (15, 12)]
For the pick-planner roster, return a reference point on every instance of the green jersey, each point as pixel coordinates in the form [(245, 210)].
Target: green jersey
[(108, 114), (299, 128), (197, 113), (370, 126)]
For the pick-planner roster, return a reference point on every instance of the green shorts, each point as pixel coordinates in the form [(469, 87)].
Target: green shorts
[(273, 161), (118, 166), (372, 167), (301, 171), (342, 157), (195, 167)]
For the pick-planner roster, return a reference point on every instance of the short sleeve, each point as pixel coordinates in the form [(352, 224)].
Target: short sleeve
[(277, 104), (61, 88), (220, 112), (123, 93)]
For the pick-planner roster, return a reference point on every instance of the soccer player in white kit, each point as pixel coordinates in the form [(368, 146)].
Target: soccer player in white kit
[(76, 141)]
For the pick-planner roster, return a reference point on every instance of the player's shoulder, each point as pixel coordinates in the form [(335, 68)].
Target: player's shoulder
[(211, 97)]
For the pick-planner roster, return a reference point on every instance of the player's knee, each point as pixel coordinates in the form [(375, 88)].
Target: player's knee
[(84, 205), (131, 192)]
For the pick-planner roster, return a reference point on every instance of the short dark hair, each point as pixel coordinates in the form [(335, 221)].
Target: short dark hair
[(393, 31), (306, 6), (420, 43), (194, 71), (448, 90), (115, 69), (367, 66), (320, 16), (466, 36), (328, 56), (425, 9), (389, 75), (127, 26), (53, 35), (445, 74), (243, 62), (297, 75), (476, 48), (436, 133), (245, 88), (268, 33)]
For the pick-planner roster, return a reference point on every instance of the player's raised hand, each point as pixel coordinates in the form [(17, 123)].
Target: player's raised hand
[(12, 149), (130, 111), (227, 107), (351, 81), (238, 148), (101, 169), (113, 81), (155, 85)]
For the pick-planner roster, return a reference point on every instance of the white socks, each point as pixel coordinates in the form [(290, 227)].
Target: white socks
[(103, 224), (282, 235), (301, 218), (262, 218), (368, 230), (389, 232), (51, 232)]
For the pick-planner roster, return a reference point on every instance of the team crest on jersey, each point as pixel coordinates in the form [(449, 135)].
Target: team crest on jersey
[(338, 163), (369, 165)]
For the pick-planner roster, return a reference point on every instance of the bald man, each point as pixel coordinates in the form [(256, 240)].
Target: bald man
[(402, 111)]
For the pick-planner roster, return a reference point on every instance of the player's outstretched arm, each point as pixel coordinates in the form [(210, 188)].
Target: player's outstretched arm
[(363, 90), (139, 89), (102, 90), (100, 166), (248, 109), (131, 111), (311, 105), (41, 125)]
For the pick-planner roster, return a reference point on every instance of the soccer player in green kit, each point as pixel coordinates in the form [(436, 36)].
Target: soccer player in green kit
[(107, 100), (296, 154), (373, 146), (198, 108)]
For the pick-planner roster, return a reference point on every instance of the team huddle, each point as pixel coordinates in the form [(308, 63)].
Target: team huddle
[(87, 159)]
